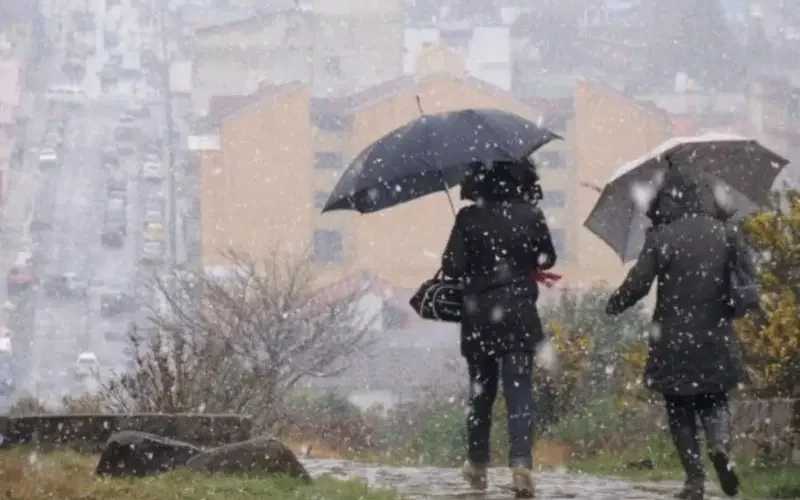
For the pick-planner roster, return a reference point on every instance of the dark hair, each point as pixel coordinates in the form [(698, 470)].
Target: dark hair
[(501, 181)]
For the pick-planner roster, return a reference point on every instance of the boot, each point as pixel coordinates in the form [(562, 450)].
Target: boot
[(522, 482), (693, 489), (718, 435), (685, 439), (723, 465), (475, 475)]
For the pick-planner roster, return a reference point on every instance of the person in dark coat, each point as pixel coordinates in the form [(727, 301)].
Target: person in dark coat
[(694, 358), (495, 247)]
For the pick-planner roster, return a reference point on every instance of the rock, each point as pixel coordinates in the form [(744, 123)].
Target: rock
[(133, 453), (259, 456), (643, 464)]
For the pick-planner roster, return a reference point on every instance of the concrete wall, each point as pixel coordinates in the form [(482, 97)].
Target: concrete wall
[(90, 432)]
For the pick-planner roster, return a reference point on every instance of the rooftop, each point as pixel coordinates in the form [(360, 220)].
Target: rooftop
[(214, 21), (223, 106)]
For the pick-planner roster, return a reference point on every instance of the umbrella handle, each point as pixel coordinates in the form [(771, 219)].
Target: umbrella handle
[(441, 174), (447, 193), (592, 186)]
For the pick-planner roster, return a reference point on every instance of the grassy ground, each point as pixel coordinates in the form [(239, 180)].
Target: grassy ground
[(775, 482), (27, 475)]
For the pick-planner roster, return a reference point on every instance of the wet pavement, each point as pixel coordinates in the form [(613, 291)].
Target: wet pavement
[(446, 483)]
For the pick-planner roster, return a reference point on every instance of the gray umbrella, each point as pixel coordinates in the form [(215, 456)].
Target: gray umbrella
[(741, 172)]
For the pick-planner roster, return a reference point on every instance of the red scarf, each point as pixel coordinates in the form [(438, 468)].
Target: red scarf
[(546, 278)]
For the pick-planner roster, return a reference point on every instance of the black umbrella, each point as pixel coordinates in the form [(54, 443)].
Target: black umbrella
[(433, 153)]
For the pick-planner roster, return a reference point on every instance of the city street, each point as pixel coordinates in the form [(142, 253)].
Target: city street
[(66, 327)]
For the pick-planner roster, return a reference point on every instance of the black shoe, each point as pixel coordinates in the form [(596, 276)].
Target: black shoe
[(728, 480)]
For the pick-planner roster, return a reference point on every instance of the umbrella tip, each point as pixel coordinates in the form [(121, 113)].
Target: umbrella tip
[(419, 105)]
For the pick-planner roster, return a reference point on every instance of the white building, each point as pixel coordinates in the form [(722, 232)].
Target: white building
[(487, 49)]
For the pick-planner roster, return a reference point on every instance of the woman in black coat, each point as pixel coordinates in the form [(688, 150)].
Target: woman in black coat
[(495, 247), (694, 358)]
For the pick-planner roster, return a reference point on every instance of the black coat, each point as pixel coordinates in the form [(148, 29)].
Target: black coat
[(693, 348), (495, 246)]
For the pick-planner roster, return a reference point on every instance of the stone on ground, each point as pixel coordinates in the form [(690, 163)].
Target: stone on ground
[(259, 456), (139, 454)]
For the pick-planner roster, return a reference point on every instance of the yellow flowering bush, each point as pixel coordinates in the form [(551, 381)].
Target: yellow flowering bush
[(771, 344)]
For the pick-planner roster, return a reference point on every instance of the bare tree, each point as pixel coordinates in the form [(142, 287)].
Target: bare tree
[(239, 343)]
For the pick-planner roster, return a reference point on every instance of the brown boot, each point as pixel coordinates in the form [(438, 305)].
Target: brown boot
[(522, 482), (475, 475)]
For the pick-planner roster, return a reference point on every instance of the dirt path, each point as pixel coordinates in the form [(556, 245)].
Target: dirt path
[(443, 483)]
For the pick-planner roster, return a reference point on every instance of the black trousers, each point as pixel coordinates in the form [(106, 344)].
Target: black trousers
[(516, 371), (713, 412)]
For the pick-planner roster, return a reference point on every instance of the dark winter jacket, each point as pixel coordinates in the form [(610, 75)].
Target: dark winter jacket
[(495, 246), (692, 348)]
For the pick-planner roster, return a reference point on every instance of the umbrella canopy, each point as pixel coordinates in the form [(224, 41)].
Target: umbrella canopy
[(739, 174), (433, 153)]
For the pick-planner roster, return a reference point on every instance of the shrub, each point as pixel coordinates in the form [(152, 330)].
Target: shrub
[(330, 419), (27, 406), (771, 344)]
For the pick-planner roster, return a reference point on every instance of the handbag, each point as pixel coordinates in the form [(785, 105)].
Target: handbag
[(743, 293), (439, 299)]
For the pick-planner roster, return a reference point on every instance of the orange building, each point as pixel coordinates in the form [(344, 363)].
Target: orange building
[(269, 161), (610, 130)]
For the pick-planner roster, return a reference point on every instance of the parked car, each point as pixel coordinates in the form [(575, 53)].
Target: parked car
[(153, 252), (66, 285), (48, 158), (153, 216), (115, 221), (57, 124), (117, 181), (151, 171), (114, 303), (139, 110), (21, 275), (125, 148), (114, 336), (118, 194), (154, 231), (127, 118), (115, 205), (153, 147), (125, 139), (154, 202), (53, 139), (112, 236), (110, 159), (87, 365)]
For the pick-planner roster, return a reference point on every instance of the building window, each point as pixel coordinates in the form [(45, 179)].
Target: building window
[(329, 122), (321, 198), (333, 65), (328, 160), (328, 246), (550, 159), (559, 242), (554, 199)]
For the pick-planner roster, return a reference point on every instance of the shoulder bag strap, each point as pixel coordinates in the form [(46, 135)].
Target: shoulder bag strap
[(733, 253)]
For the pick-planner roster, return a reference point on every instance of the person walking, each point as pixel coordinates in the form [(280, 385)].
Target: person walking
[(495, 247), (694, 358)]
